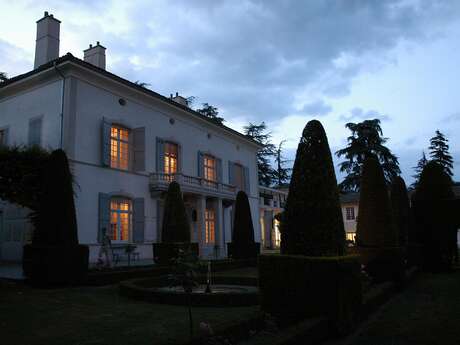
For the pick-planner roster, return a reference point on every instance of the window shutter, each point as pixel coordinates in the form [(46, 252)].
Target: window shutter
[(179, 158), (104, 216), (246, 180), (200, 164), (138, 220), (231, 173), (35, 131), (160, 155), (139, 149), (105, 136), (5, 137), (219, 169)]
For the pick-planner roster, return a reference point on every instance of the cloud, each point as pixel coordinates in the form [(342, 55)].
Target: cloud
[(360, 114), (316, 108), (451, 118)]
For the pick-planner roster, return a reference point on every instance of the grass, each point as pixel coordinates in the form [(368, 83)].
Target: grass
[(90, 315), (427, 312)]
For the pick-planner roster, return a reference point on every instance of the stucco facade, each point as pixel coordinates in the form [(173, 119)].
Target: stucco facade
[(75, 100)]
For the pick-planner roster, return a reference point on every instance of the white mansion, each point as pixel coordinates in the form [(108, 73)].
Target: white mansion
[(125, 144)]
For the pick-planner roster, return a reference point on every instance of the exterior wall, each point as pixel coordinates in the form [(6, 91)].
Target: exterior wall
[(350, 225), (268, 209)]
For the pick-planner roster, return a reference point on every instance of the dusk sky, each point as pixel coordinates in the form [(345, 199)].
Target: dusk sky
[(283, 62)]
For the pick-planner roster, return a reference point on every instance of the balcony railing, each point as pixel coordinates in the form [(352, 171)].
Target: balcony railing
[(160, 181)]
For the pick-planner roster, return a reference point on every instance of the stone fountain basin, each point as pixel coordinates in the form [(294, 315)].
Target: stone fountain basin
[(226, 291)]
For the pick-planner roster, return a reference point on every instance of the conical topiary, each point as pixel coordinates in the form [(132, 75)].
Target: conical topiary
[(55, 219), (432, 218), (243, 245), (401, 209), (312, 222), (175, 223)]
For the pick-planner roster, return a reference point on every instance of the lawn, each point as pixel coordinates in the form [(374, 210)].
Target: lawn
[(427, 312), (90, 315)]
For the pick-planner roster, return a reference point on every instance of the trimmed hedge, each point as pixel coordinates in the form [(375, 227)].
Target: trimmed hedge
[(296, 287), (175, 227)]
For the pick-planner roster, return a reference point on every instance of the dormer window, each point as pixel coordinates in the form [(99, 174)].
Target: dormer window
[(119, 147)]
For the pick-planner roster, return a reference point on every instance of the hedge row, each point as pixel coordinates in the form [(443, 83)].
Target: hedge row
[(295, 287)]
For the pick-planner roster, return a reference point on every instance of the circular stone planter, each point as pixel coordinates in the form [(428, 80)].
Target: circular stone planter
[(226, 291)]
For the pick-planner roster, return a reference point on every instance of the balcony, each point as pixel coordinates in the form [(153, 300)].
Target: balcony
[(191, 184)]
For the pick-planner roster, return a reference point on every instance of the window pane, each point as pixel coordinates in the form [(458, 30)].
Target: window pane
[(209, 168), (210, 226), (119, 148), (170, 158)]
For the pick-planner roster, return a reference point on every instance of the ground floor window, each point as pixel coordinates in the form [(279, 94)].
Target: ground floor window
[(120, 219), (351, 236), (210, 221)]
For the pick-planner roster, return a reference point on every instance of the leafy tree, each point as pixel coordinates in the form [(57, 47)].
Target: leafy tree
[(3, 77), (175, 223), (439, 152), (401, 209), (432, 216), (312, 222), (142, 84), (281, 174), (211, 113), (418, 169), (243, 229), (366, 138), (259, 134)]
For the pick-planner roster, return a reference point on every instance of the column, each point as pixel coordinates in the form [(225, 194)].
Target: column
[(201, 222)]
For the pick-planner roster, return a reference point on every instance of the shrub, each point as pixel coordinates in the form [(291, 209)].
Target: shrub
[(401, 209), (243, 245), (312, 220), (293, 287), (175, 223), (432, 202), (377, 234)]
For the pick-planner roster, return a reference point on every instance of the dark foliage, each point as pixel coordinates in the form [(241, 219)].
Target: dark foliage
[(175, 223), (210, 112), (375, 226), (243, 229), (281, 174), (439, 152), (259, 134), (55, 220), (366, 138), (297, 287), (433, 217), (418, 169), (21, 175), (401, 209), (3, 77), (312, 221)]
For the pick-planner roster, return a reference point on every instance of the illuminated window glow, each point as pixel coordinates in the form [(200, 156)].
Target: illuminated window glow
[(120, 219), (351, 236), (170, 158), (119, 148), (210, 221), (209, 166)]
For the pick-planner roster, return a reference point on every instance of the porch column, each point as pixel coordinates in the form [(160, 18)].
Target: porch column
[(201, 222), (220, 227)]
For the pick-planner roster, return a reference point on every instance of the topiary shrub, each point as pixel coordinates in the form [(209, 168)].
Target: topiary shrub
[(401, 209), (55, 257), (243, 245), (175, 231), (312, 221), (432, 202), (376, 233)]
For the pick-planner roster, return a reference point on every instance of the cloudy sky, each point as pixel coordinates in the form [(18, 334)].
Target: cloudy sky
[(279, 61)]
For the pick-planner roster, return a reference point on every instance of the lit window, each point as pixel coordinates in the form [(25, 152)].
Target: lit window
[(350, 213), (351, 236), (119, 148), (209, 166), (170, 157), (210, 221), (120, 219)]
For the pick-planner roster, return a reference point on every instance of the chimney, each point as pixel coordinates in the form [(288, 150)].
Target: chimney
[(47, 44), (95, 55), (179, 99)]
